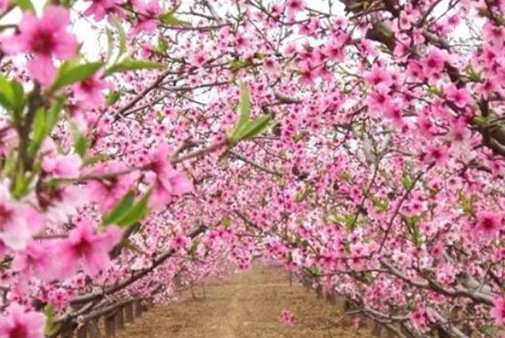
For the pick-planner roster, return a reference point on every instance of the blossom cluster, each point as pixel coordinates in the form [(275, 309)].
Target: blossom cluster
[(355, 143)]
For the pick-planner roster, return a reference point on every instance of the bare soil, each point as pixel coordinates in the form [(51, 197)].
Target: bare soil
[(247, 306)]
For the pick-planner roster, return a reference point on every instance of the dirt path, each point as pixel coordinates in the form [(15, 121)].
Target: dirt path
[(248, 306)]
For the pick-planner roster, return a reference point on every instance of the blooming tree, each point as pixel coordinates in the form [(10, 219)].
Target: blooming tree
[(357, 143)]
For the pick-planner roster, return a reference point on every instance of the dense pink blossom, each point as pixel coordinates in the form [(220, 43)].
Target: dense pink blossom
[(46, 38), (21, 323), (108, 191), (62, 166), (37, 260), (166, 180), (147, 15), (420, 317), (14, 228), (377, 176), (101, 8), (86, 249), (460, 97), (89, 92), (498, 311), (180, 242), (434, 62), (488, 223)]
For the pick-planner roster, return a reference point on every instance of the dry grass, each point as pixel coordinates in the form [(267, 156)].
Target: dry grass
[(248, 306)]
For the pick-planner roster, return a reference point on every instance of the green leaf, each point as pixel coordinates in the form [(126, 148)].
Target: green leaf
[(4, 102), (43, 123), (80, 142), (110, 45), (95, 159), (39, 131), (466, 203), (21, 184), (131, 65), (19, 100), (407, 182), (51, 325), (122, 37), (227, 221), (25, 5), (120, 210), (480, 121), (381, 205), (10, 163), (245, 107), (69, 73), (301, 196), (81, 145), (435, 91), (473, 74), (6, 94), (245, 127), (194, 247), (238, 64), (350, 222), (11, 95), (162, 45), (112, 97), (255, 127), (169, 18), (65, 3), (413, 229), (136, 213)]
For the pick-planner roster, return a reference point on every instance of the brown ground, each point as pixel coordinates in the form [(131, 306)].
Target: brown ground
[(247, 306)]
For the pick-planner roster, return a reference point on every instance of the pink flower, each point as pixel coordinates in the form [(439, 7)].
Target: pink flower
[(198, 59), (334, 48), (84, 247), (494, 33), (396, 116), (459, 97), (488, 223), (420, 318), (45, 37), (14, 229), (459, 134), (100, 8), (295, 6), (434, 62), (498, 310), (379, 101), (438, 154), (147, 16), (378, 76), (146, 50), (180, 242), (271, 66), (167, 181), (288, 318), (36, 260), (62, 202), (62, 166), (108, 192), (307, 72), (438, 250), (22, 324), (4, 4), (89, 92)]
